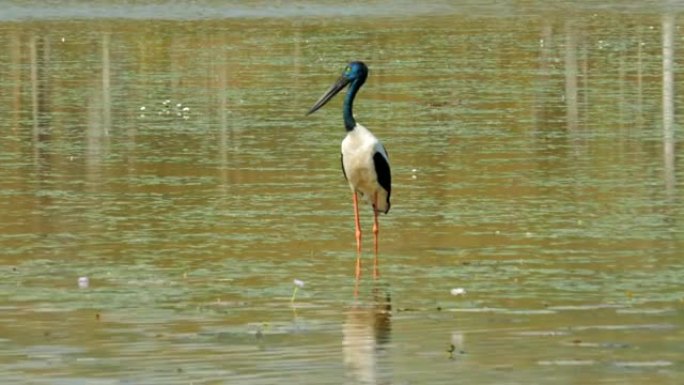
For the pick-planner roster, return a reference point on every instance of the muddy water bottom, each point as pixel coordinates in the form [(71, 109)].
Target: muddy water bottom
[(150, 325)]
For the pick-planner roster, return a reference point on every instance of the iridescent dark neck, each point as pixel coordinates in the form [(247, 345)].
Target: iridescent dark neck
[(347, 113)]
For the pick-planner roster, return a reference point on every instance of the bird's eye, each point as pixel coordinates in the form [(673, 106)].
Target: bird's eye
[(347, 70)]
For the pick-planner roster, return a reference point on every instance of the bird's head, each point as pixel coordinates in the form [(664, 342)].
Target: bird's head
[(355, 71)]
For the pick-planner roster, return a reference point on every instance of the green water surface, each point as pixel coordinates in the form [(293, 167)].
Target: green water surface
[(162, 150)]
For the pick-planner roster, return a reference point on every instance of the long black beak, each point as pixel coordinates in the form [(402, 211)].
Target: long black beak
[(332, 91)]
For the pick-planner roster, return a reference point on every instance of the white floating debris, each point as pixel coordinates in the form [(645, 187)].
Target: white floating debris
[(179, 105), (142, 108), (167, 101), (186, 109), (569, 362), (63, 39), (643, 364), (458, 291), (83, 282), (299, 283)]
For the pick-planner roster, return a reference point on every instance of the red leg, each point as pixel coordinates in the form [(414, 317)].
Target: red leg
[(376, 231), (358, 236)]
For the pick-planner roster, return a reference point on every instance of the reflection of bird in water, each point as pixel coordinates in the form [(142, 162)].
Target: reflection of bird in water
[(365, 334)]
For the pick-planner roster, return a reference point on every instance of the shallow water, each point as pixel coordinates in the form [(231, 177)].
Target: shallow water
[(163, 153)]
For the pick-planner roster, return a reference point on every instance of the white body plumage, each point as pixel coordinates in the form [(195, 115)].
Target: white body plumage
[(366, 166)]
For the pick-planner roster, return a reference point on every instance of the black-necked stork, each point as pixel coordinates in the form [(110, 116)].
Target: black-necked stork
[(365, 163)]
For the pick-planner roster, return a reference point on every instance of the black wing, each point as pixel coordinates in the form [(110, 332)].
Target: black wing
[(382, 170)]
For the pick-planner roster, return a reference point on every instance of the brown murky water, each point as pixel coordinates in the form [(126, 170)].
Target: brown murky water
[(163, 152)]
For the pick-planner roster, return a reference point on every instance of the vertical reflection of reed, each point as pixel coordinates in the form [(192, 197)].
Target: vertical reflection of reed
[(668, 23), (365, 334), (571, 75), (297, 59), (39, 58), (15, 78), (584, 72), (543, 79), (39, 52), (33, 57), (222, 91), (106, 89), (640, 78), (39, 113), (99, 116)]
